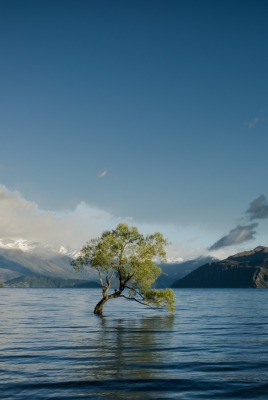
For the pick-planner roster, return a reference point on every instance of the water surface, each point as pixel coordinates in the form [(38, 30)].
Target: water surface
[(53, 347)]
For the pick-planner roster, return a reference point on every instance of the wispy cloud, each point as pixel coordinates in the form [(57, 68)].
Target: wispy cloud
[(102, 173), (236, 236), (253, 123), (258, 208)]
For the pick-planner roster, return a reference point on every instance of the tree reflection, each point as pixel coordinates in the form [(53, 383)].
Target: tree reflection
[(133, 348), (126, 348)]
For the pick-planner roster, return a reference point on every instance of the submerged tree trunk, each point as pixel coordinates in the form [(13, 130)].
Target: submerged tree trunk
[(99, 306)]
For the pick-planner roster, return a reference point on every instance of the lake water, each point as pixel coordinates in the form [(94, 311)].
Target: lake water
[(53, 347)]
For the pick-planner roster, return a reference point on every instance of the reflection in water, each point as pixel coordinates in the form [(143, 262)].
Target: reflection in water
[(134, 346), (126, 348), (126, 353)]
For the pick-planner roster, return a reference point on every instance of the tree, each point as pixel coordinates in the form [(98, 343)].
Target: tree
[(127, 259)]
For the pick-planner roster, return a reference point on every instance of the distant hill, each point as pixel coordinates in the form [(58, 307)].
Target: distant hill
[(248, 269), (49, 282), (174, 271)]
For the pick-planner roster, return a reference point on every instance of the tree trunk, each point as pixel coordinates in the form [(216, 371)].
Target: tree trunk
[(99, 307)]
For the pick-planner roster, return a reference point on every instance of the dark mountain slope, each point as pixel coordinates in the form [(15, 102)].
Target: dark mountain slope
[(173, 271), (243, 270)]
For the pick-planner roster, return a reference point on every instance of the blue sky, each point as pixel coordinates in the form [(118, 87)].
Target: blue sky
[(153, 112)]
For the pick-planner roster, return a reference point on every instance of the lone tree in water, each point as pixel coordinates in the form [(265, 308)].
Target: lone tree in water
[(127, 259)]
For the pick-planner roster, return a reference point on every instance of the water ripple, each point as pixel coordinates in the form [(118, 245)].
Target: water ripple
[(53, 347)]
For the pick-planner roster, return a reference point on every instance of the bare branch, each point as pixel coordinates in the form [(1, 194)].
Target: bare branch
[(111, 276), (107, 279), (101, 281)]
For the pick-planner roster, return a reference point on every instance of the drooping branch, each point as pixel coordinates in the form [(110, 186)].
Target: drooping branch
[(140, 302)]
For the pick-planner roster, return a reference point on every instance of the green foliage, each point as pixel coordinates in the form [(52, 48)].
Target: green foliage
[(127, 259), (160, 298)]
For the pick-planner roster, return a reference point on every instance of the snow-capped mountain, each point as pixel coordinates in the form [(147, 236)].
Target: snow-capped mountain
[(73, 253), (20, 257), (23, 258), (173, 260), (17, 244), (28, 246)]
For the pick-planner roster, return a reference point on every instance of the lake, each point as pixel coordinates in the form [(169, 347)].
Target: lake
[(52, 346)]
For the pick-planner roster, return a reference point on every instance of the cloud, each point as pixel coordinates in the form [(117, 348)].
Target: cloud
[(252, 124), (258, 208), (20, 218), (102, 173), (24, 219), (236, 236)]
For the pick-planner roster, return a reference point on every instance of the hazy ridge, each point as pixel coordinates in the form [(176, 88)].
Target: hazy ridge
[(24, 264)]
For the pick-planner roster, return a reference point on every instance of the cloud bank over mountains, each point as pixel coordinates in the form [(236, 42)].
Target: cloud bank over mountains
[(21, 218), (24, 219), (258, 209)]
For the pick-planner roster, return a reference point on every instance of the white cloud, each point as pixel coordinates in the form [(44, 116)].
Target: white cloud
[(252, 124), (24, 219), (20, 218), (102, 173)]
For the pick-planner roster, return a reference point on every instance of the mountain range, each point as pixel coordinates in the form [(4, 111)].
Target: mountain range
[(21, 259), (30, 264)]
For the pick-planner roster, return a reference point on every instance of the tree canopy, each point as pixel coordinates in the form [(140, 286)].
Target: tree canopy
[(126, 263)]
